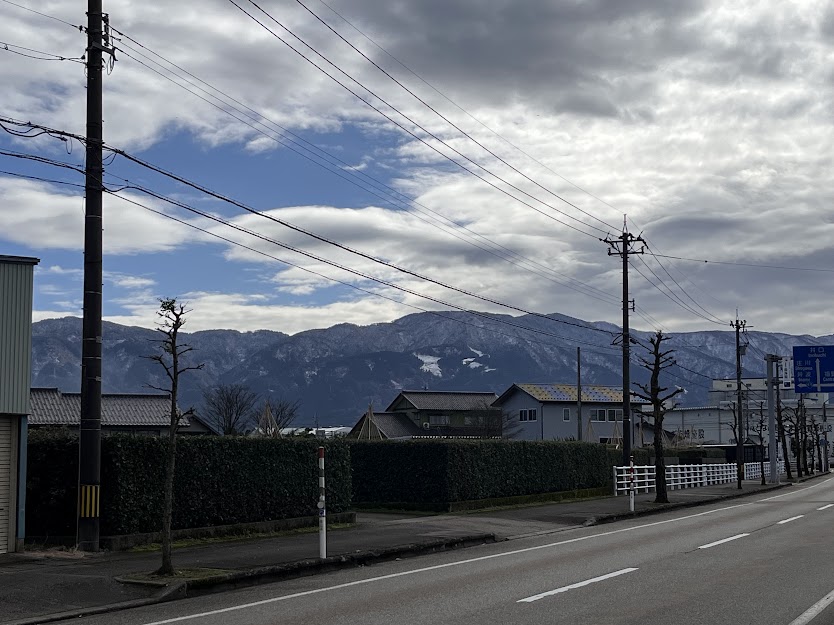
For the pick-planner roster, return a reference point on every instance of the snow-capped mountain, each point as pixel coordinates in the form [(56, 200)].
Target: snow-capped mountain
[(337, 371)]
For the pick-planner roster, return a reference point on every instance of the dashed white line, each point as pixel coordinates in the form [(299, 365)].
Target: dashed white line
[(793, 518), (593, 580), (722, 541), (826, 506), (808, 615)]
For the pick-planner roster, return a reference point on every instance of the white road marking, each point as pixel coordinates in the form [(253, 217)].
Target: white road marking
[(808, 615), (826, 506), (799, 490), (436, 567), (593, 580), (793, 518), (722, 541)]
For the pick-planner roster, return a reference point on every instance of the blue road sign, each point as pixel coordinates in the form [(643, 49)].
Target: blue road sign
[(813, 369)]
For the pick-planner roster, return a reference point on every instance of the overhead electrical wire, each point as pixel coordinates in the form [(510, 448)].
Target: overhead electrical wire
[(740, 264), (334, 243), (444, 118), (247, 231), (258, 118), (420, 127), (44, 56), (669, 293), (328, 241), (463, 110)]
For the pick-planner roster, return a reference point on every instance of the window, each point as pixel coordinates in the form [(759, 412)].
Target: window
[(473, 420), (527, 415), (615, 415), (439, 419), (565, 414), (597, 414)]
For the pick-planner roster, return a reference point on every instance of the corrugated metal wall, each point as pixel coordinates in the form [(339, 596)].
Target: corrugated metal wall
[(16, 286)]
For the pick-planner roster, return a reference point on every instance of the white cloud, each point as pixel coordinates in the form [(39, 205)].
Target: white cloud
[(707, 122)]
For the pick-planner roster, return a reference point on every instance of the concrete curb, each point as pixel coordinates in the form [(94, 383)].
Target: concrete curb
[(267, 574), (169, 593)]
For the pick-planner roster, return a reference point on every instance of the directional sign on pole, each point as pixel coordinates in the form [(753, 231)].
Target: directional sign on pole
[(813, 369)]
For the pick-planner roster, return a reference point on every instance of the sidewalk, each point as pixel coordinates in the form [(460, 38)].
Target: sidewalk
[(36, 584)]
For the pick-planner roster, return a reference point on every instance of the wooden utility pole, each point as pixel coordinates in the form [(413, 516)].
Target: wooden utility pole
[(622, 246), (89, 453)]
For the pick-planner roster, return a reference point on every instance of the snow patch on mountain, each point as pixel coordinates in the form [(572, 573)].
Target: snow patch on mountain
[(475, 351), (430, 364)]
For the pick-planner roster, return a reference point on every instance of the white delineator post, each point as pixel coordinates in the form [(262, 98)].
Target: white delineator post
[(322, 509), (631, 484)]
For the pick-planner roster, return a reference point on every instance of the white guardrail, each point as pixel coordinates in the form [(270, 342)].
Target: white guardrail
[(686, 475)]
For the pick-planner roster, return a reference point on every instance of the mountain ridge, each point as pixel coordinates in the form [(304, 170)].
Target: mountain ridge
[(336, 372)]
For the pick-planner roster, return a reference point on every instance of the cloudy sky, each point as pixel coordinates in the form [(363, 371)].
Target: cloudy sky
[(541, 124)]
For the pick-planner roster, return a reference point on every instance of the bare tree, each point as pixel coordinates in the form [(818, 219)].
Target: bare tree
[(780, 424), (275, 415), (759, 429), (654, 393), (792, 427), (172, 318), (230, 408)]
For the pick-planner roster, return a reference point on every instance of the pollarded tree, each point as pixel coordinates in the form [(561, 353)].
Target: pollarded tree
[(172, 318), (655, 394)]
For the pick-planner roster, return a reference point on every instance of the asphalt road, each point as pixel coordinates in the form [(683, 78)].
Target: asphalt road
[(753, 560)]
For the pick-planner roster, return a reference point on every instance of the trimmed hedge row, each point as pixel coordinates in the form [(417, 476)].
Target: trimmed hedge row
[(218, 481), (435, 472)]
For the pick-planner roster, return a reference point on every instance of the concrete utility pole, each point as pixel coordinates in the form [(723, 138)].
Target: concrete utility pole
[(772, 381), (89, 453), (622, 246), (739, 326), (579, 393)]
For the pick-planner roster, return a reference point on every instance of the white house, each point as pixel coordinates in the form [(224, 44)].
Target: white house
[(549, 411)]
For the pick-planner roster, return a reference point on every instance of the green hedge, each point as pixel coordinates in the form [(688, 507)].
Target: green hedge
[(218, 481), (689, 456), (433, 472)]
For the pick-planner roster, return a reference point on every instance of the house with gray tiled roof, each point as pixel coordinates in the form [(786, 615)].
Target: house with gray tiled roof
[(136, 413), (414, 414)]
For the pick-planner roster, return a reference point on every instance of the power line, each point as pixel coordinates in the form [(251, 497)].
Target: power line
[(288, 247), (756, 265), (577, 285), (463, 110), (326, 240), (52, 17), (444, 118), (336, 244), (44, 56), (671, 295), (417, 125)]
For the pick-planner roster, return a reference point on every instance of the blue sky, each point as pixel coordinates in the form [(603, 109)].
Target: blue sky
[(708, 123)]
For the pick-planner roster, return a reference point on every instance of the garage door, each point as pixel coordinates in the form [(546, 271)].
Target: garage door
[(5, 481)]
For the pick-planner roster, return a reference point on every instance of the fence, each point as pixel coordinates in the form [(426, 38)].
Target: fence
[(677, 476), (753, 470)]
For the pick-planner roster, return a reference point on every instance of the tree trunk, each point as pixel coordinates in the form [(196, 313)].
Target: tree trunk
[(803, 433), (659, 461), (819, 451), (781, 425), (761, 460), (167, 567), (797, 452)]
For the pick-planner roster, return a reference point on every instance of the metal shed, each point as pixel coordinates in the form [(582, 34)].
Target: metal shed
[(16, 285)]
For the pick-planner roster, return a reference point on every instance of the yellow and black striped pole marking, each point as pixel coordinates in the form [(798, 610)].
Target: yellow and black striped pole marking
[(88, 501)]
